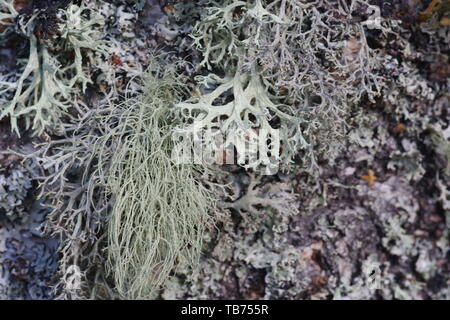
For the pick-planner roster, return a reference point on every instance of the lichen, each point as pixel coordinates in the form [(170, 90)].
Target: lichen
[(161, 210), (27, 258), (357, 91), (151, 213), (17, 183), (312, 55), (50, 76)]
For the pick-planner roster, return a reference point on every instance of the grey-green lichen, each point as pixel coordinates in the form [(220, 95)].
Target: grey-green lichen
[(345, 239), (363, 212), (311, 54), (17, 183), (116, 172), (161, 210), (54, 70), (28, 258)]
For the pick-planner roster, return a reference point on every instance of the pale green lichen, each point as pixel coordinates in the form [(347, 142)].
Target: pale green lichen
[(161, 210), (41, 94), (300, 66), (252, 119), (150, 213), (315, 58)]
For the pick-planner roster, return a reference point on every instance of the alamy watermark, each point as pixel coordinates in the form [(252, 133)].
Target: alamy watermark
[(255, 148)]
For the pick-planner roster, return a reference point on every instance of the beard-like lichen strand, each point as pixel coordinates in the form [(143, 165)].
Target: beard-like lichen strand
[(161, 209), (126, 212)]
